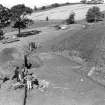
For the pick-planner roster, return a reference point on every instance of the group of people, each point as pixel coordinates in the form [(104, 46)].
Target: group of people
[(26, 78)]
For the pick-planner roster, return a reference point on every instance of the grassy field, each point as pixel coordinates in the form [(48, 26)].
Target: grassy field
[(69, 83), (89, 42), (64, 11)]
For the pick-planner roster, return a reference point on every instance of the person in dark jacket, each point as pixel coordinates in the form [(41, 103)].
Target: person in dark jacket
[(16, 74)]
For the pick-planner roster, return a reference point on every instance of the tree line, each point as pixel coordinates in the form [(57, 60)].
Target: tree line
[(92, 1)]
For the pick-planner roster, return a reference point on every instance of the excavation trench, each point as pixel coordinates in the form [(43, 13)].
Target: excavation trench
[(25, 96)]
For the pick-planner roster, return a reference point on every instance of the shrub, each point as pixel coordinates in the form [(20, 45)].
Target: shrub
[(94, 14), (43, 7), (55, 5), (71, 19), (83, 1)]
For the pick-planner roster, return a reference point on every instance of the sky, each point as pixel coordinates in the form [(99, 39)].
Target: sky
[(32, 3)]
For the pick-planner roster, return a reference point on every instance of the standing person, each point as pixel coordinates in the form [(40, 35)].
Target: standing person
[(21, 76), (16, 74), (29, 81)]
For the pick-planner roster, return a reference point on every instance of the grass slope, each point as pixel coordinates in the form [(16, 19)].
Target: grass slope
[(89, 42), (64, 11)]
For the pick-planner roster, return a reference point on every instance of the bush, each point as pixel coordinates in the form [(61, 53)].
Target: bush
[(71, 19), (94, 14), (43, 7), (55, 5), (83, 1)]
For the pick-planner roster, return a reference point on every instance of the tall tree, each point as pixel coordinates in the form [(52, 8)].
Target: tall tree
[(19, 24), (5, 15), (19, 10), (71, 19), (35, 8), (18, 13), (94, 14)]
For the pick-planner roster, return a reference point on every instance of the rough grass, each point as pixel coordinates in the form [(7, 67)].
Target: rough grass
[(89, 42), (36, 24)]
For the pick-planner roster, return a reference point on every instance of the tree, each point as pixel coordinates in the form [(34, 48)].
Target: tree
[(83, 1), (19, 24), (35, 8), (71, 19), (19, 10), (5, 15), (43, 7), (94, 14)]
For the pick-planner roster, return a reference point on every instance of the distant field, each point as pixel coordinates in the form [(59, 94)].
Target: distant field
[(64, 11)]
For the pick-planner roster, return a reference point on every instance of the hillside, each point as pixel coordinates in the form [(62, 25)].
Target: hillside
[(69, 83), (89, 42), (64, 11)]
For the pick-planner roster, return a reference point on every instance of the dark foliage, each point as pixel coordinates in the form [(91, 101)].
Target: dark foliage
[(19, 10), (35, 8), (20, 24), (71, 19), (55, 5), (43, 7), (5, 15), (94, 14)]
